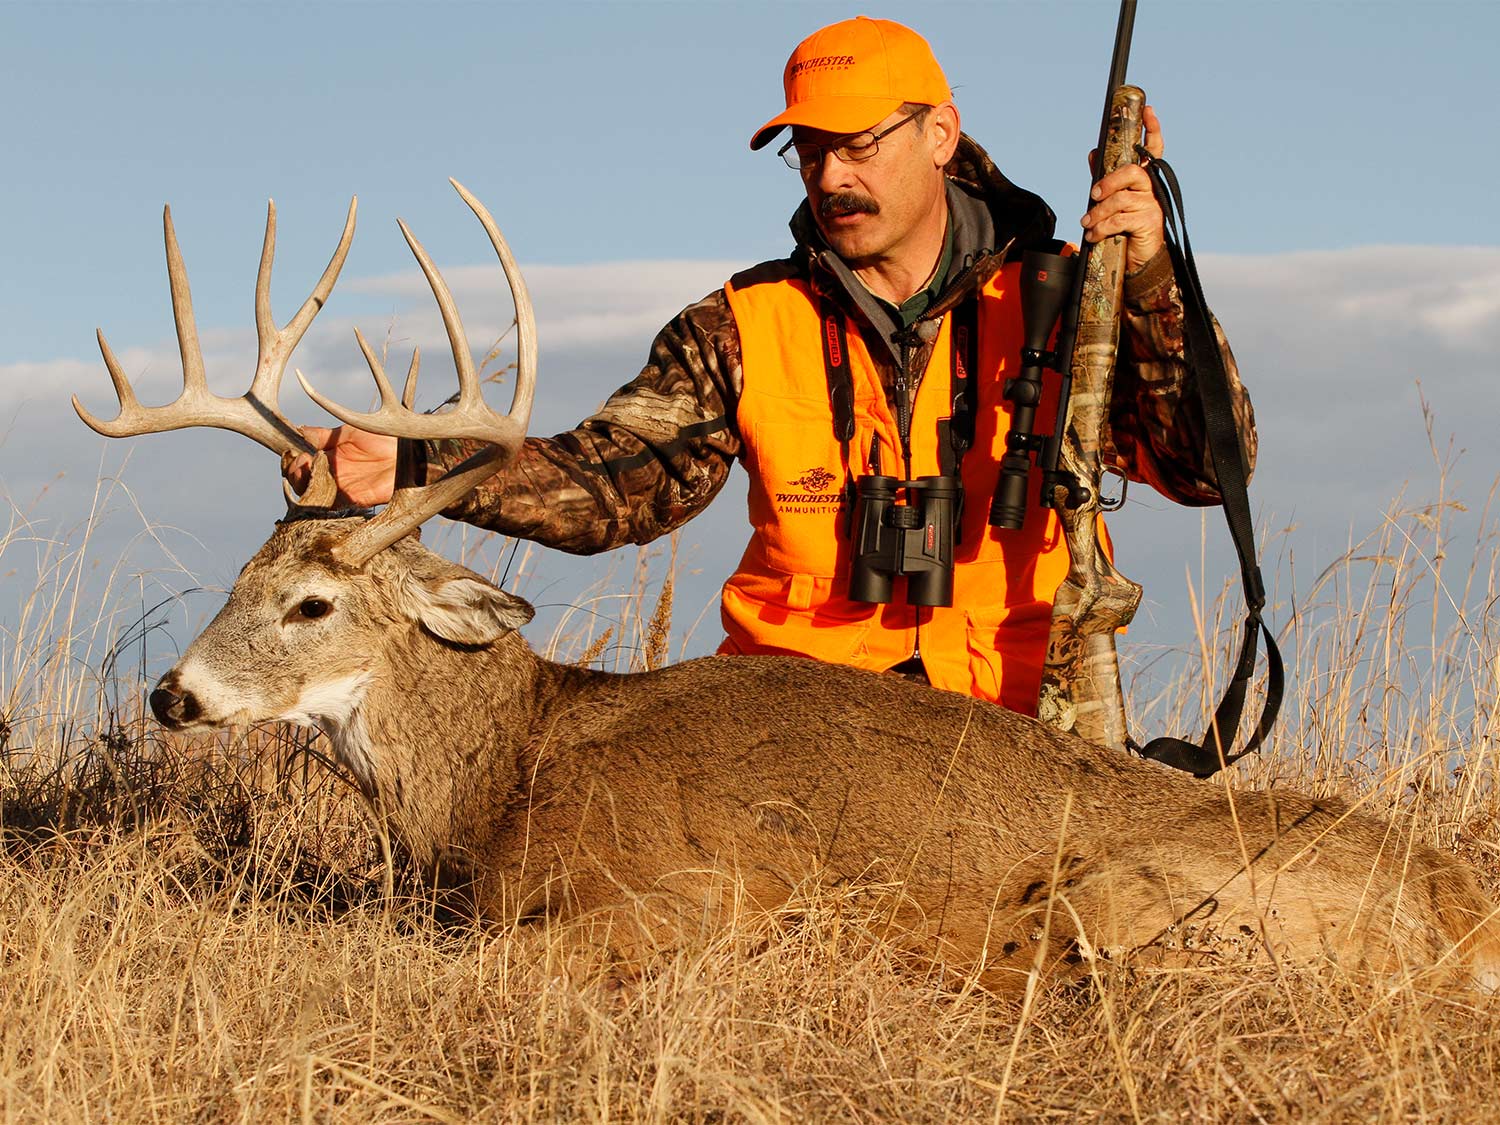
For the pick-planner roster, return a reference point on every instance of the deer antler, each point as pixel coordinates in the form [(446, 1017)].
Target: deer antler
[(410, 507), (255, 414)]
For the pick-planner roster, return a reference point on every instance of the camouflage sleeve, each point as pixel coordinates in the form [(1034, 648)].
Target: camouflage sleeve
[(1157, 432), (651, 458)]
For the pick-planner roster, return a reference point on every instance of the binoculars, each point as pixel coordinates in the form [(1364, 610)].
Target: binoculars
[(914, 539)]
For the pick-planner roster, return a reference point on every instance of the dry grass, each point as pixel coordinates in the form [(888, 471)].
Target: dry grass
[(211, 932)]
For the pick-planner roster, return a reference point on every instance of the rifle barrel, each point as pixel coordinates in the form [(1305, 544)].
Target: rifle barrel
[(1118, 63)]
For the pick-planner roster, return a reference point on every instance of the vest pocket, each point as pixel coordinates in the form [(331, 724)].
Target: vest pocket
[(761, 614), (1007, 645)]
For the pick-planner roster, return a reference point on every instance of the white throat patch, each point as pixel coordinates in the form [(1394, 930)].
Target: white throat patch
[(333, 707)]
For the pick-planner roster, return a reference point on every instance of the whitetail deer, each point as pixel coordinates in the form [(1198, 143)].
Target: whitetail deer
[(547, 790)]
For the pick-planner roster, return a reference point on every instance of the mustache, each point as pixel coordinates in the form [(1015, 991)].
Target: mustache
[(847, 203)]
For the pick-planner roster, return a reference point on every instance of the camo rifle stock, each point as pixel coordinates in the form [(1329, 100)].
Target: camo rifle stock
[(1081, 688)]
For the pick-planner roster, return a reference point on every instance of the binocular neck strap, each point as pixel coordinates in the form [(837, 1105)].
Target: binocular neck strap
[(956, 432), (840, 395), (836, 365)]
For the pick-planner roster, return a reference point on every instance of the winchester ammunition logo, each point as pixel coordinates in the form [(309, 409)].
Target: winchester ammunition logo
[(815, 480), (815, 493)]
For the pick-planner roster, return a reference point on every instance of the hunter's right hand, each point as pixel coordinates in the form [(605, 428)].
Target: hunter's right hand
[(363, 464)]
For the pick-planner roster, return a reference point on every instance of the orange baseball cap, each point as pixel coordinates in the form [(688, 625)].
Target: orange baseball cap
[(852, 74)]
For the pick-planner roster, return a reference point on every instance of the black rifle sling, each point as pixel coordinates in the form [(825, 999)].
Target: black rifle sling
[(1202, 354)]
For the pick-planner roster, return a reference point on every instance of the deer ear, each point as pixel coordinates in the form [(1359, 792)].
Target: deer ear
[(465, 610)]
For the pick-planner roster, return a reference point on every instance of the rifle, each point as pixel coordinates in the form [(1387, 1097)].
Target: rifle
[(1081, 677), (1081, 688)]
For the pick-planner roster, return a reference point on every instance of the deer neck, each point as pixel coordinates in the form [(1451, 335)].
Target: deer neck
[(435, 738)]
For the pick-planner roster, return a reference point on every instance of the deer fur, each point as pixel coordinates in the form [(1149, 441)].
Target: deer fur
[(553, 791)]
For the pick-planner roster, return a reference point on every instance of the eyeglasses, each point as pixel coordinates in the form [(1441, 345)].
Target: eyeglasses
[(856, 147)]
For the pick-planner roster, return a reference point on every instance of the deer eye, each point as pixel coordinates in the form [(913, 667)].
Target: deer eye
[(313, 608)]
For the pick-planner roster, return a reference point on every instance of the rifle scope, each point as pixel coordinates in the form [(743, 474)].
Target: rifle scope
[(1046, 283)]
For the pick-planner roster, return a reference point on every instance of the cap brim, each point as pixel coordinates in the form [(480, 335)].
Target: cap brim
[(831, 115)]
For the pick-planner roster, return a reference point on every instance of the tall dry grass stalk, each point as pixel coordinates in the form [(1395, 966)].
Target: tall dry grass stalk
[(212, 931)]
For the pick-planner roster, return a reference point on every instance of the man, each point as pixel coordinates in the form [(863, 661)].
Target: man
[(839, 362)]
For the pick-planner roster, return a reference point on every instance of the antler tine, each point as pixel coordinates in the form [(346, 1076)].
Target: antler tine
[(409, 391), (471, 418), (520, 403), (387, 392), (253, 414), (458, 340), (194, 382), (265, 321), (129, 405), (277, 345)]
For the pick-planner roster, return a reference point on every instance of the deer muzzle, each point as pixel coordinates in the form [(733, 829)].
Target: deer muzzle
[(174, 706)]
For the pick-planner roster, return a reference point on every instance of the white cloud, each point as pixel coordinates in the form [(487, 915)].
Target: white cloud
[(595, 305), (1450, 293)]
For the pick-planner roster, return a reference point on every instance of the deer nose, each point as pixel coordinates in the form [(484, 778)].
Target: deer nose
[(173, 708)]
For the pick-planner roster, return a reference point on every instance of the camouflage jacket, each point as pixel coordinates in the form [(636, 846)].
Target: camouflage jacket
[(658, 451)]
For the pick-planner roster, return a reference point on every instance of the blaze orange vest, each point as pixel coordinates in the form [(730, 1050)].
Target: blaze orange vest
[(790, 592)]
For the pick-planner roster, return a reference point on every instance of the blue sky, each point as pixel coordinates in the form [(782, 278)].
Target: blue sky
[(615, 131), (1338, 159)]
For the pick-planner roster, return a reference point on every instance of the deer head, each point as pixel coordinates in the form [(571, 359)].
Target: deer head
[(298, 637)]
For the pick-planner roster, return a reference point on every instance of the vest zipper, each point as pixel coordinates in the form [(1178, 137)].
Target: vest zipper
[(903, 405)]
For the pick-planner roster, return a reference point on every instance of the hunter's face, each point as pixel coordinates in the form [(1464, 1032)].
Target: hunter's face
[(868, 209)]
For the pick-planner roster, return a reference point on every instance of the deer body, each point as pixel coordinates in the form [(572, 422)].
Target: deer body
[(554, 791)]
